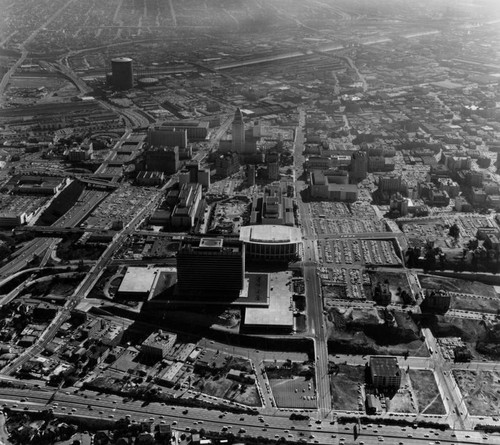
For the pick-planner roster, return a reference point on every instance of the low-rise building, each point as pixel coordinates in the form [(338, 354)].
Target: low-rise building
[(150, 178), (240, 376), (321, 187), (137, 283), (158, 344)]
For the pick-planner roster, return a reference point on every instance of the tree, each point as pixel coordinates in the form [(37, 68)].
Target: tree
[(454, 231)]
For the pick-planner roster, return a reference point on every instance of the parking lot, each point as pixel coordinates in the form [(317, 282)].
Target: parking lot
[(359, 252), (339, 218), (294, 393), (121, 205), (323, 226)]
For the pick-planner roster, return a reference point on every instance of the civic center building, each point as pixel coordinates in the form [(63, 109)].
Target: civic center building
[(271, 242)]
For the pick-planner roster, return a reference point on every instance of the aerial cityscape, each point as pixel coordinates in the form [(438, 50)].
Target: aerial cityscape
[(249, 222)]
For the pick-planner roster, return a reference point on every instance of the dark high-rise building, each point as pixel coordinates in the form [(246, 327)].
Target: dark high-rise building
[(167, 137), (227, 164), (238, 132), (359, 166), (122, 73), (208, 269), (163, 160), (385, 372)]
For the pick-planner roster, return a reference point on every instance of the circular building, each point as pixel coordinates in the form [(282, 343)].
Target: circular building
[(122, 73), (271, 242), (147, 81)]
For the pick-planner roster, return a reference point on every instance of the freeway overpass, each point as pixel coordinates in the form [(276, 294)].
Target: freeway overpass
[(51, 231)]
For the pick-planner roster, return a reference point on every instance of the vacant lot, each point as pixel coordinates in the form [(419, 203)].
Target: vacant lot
[(228, 389), (247, 395), (344, 386), (456, 285), (480, 390), (294, 393), (426, 392), (68, 250), (467, 302), (216, 388), (403, 401), (398, 282)]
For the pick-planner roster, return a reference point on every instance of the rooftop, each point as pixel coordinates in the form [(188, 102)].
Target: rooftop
[(279, 312), (138, 279), (384, 365), (270, 234)]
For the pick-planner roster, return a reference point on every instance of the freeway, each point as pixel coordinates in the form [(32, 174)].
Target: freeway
[(82, 290), (70, 219), (85, 404), (37, 247)]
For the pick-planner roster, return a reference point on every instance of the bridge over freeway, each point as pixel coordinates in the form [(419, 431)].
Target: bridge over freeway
[(57, 232)]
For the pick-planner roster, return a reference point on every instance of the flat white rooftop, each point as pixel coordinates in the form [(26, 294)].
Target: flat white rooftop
[(138, 280), (270, 234), (279, 313)]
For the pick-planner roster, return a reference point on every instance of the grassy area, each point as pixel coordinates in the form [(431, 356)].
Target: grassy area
[(57, 287), (480, 390), (426, 392), (344, 387), (213, 387), (69, 250), (97, 290)]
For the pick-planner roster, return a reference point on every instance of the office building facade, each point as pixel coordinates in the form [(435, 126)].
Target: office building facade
[(209, 269), (238, 132)]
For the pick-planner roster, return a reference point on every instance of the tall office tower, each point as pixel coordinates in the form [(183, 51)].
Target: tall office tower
[(192, 168), (122, 73), (208, 269), (163, 160), (238, 132), (251, 174), (359, 166)]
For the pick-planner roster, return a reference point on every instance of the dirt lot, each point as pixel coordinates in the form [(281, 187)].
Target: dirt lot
[(293, 393), (467, 302), (481, 391), (426, 392), (456, 285), (403, 401), (249, 396), (344, 387)]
